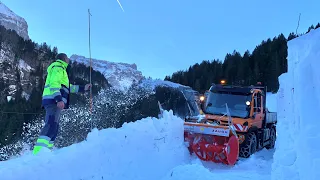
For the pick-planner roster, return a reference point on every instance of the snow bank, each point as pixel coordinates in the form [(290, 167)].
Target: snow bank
[(258, 166), (297, 146), (146, 149)]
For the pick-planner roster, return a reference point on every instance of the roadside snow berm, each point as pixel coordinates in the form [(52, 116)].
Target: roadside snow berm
[(235, 123)]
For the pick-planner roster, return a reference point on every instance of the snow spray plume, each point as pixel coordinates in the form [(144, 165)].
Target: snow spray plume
[(75, 123)]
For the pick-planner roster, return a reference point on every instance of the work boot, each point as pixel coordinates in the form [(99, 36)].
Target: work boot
[(43, 144)]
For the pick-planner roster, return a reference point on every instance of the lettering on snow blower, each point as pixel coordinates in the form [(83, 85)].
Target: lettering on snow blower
[(210, 130)]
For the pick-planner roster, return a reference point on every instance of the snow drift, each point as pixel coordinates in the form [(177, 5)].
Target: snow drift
[(297, 147), (146, 149)]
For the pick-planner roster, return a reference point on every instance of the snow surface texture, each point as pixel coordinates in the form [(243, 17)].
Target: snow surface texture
[(297, 149), (120, 75), (146, 149)]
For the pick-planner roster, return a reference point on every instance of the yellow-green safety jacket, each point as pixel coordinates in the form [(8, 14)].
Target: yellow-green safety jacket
[(57, 87)]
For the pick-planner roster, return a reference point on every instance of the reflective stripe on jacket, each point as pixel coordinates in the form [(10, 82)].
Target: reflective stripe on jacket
[(57, 87)]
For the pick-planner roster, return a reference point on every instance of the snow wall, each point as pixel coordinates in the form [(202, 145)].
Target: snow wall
[(297, 147)]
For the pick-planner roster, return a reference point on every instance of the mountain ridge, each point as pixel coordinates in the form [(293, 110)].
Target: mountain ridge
[(11, 20)]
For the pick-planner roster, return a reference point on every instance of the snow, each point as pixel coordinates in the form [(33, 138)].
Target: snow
[(122, 75), (6, 54), (9, 98), (12, 89), (6, 11), (298, 100), (146, 149), (150, 148), (11, 16), (153, 83), (25, 95), (24, 66), (256, 167)]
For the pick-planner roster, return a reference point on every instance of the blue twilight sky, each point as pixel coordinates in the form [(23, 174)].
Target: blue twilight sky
[(162, 36)]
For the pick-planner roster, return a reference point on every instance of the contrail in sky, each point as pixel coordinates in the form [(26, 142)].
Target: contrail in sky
[(120, 5)]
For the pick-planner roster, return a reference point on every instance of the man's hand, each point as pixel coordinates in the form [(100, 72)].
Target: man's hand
[(60, 104), (87, 87)]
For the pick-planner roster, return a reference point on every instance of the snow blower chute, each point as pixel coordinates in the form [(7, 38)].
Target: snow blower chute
[(211, 141)]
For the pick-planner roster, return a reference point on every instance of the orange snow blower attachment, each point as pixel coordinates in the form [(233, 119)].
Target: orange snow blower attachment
[(212, 142)]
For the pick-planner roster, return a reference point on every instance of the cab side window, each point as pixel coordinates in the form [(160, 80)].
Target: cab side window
[(259, 102)]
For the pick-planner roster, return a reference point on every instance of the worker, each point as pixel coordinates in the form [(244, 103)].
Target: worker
[(55, 98)]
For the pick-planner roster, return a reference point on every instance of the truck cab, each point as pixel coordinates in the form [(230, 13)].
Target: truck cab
[(254, 124)]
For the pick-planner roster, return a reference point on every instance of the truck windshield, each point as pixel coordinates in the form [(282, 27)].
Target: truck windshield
[(215, 104)]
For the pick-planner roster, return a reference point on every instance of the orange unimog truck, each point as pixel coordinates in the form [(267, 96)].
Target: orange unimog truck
[(229, 113)]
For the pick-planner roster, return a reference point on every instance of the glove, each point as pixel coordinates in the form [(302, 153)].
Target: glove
[(87, 87), (60, 105)]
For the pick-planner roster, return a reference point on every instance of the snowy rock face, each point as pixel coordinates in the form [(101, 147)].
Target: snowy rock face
[(297, 148), (120, 75), (12, 71), (10, 20)]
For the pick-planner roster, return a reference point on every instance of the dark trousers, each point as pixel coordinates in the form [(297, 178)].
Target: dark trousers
[(52, 118)]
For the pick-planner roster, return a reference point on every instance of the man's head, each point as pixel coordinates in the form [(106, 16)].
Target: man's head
[(63, 57)]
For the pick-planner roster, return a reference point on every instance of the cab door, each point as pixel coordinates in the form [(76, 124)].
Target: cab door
[(257, 110)]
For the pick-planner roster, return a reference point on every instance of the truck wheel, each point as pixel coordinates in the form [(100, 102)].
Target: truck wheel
[(250, 146), (272, 139)]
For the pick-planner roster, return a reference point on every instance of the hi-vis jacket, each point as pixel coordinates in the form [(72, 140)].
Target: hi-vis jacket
[(57, 87)]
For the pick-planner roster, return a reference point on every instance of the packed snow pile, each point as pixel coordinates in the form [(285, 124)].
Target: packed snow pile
[(120, 75), (257, 167), (150, 148), (146, 149), (297, 148)]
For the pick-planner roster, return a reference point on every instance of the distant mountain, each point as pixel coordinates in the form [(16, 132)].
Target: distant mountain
[(122, 76), (12, 21), (119, 75)]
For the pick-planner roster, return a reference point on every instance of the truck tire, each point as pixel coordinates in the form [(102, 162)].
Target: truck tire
[(250, 146), (273, 137)]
